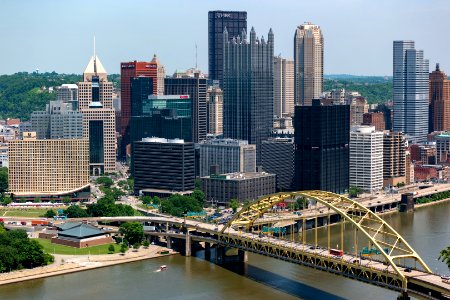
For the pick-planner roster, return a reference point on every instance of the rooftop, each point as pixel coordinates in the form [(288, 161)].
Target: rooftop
[(240, 176), (82, 231)]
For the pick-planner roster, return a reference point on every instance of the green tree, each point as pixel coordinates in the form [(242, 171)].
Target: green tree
[(136, 246), (66, 200), (146, 199), (234, 204), (199, 196), (104, 181), (118, 239), (3, 181), (6, 200), (111, 248), (50, 213), (123, 248), (354, 191), (37, 200), (198, 184), (132, 231), (444, 256), (156, 200), (74, 211), (146, 244)]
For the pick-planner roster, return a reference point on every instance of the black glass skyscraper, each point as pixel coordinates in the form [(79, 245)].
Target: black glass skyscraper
[(322, 136), (141, 88), (235, 22), (248, 88)]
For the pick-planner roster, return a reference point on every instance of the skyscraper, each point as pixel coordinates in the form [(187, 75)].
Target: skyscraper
[(394, 158), (248, 88), (321, 147), (366, 158), (410, 91), (214, 99), (278, 157), (283, 87), (154, 70), (308, 63), (235, 22), (196, 89), (95, 102), (439, 101)]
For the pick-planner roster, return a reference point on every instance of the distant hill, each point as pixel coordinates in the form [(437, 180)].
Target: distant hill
[(22, 93), (377, 89)]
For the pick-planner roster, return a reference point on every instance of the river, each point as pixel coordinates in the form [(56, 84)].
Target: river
[(427, 230)]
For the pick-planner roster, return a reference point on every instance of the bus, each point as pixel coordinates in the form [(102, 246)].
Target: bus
[(337, 252)]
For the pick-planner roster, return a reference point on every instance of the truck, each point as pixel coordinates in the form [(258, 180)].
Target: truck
[(39, 222)]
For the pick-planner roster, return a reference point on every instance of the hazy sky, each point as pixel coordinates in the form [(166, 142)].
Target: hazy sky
[(57, 35)]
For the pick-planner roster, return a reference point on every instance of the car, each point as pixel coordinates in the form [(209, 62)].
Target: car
[(408, 270)]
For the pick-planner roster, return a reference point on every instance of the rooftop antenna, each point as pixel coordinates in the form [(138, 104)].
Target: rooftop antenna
[(196, 56), (95, 59)]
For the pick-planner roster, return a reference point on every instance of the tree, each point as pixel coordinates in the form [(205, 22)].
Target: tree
[(198, 184), (156, 200), (74, 211), (111, 248), (37, 200), (146, 199), (136, 246), (199, 196), (132, 231), (104, 181), (146, 244), (66, 200), (3, 180), (354, 191), (123, 248), (6, 200), (118, 239), (234, 204), (444, 256), (50, 213)]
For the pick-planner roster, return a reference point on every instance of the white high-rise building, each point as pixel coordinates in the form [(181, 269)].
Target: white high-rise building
[(308, 61), (283, 87), (99, 122), (411, 75), (214, 107), (366, 158)]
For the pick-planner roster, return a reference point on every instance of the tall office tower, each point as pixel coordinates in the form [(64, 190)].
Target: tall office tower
[(366, 158), (68, 93), (163, 167), (95, 103), (140, 89), (196, 89), (308, 63), (278, 157), (220, 156), (439, 101), (214, 98), (386, 109), (58, 121), (154, 70), (394, 158), (410, 91), (248, 88), (48, 169), (283, 87), (374, 119), (358, 107), (442, 148), (321, 147), (235, 22)]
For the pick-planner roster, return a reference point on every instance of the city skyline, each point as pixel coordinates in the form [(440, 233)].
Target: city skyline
[(50, 32)]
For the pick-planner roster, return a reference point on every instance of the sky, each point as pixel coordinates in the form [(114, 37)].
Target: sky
[(57, 35)]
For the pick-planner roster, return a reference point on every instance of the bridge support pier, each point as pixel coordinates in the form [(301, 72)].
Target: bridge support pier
[(207, 251), (188, 250), (226, 255), (403, 296), (169, 242)]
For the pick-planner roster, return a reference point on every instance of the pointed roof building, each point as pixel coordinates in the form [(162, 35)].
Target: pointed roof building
[(95, 67)]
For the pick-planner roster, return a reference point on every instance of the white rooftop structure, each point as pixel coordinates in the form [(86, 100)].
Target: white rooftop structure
[(94, 67)]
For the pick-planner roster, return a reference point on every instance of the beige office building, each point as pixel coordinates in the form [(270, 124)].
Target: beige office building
[(99, 123), (283, 87), (49, 167), (308, 63), (214, 98)]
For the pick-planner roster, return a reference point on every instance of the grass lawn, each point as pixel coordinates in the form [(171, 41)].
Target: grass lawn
[(61, 249), (31, 213)]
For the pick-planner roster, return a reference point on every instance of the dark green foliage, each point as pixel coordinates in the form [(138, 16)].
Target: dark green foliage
[(434, 197), (234, 204), (123, 248), (66, 200), (375, 89), (105, 207), (118, 239), (136, 246), (133, 232), (178, 205), (146, 199), (104, 181), (111, 248), (17, 251), (50, 213), (75, 211), (146, 244), (156, 200), (354, 191), (113, 192), (444, 256), (199, 196), (3, 179)]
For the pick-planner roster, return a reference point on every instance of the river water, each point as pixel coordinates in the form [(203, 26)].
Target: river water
[(427, 230)]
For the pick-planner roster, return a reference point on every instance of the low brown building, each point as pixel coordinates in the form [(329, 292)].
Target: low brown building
[(374, 119), (80, 235)]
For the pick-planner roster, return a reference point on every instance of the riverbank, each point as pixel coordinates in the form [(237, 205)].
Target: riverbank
[(65, 264), (416, 206)]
